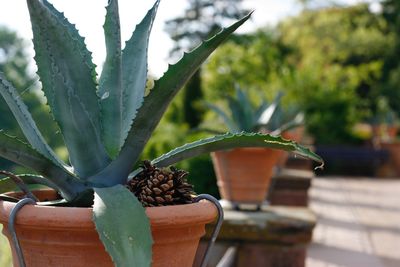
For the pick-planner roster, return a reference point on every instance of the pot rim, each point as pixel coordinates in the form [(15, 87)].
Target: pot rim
[(57, 217)]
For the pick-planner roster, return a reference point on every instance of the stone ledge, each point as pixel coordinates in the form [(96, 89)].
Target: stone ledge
[(273, 224), (276, 236), (293, 179), (290, 188)]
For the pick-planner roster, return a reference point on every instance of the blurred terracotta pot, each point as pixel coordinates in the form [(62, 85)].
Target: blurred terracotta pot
[(394, 151), (244, 174), (60, 236), (384, 132), (392, 131)]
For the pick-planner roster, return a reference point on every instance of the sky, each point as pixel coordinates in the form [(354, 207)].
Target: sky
[(88, 15)]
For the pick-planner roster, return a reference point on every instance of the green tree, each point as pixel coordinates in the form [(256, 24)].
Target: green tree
[(253, 60), (391, 69), (201, 19), (343, 48), (328, 60)]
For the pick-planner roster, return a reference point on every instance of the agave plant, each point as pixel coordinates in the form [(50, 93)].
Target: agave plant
[(243, 115), (106, 123)]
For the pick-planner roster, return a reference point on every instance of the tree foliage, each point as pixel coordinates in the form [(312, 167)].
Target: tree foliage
[(201, 20), (343, 51), (252, 61), (391, 69), (329, 61)]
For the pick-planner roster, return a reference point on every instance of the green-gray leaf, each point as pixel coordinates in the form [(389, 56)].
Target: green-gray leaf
[(134, 66), (267, 115), (110, 83), (238, 115), (21, 153), (225, 117), (7, 184), (229, 141), (123, 226), (25, 121), (154, 106), (246, 109), (156, 103), (69, 82)]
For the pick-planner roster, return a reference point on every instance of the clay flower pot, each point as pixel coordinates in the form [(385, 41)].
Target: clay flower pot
[(60, 236), (244, 174), (384, 132), (394, 151)]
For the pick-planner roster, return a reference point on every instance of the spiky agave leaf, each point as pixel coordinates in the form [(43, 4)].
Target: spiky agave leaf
[(21, 153), (123, 226), (263, 106), (123, 80), (291, 124), (69, 82), (134, 65), (232, 126), (242, 120), (229, 141), (26, 122), (245, 109), (156, 103), (110, 82), (268, 113), (7, 184)]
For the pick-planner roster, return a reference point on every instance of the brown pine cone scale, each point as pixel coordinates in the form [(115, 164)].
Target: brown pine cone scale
[(161, 186)]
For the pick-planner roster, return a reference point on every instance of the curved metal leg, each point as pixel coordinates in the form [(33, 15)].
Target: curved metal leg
[(11, 228), (217, 226)]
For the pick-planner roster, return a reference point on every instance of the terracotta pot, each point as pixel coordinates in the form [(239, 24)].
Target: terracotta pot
[(244, 174), (384, 132), (59, 236), (394, 151)]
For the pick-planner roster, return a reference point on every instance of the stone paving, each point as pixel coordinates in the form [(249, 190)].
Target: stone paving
[(358, 223)]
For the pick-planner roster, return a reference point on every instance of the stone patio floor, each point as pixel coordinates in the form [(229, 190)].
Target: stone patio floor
[(358, 222)]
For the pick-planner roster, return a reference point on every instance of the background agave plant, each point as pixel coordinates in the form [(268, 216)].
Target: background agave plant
[(245, 116), (106, 123)]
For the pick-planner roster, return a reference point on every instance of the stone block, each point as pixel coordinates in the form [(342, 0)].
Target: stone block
[(276, 236), (290, 188)]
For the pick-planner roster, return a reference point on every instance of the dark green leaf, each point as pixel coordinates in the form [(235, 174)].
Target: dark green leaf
[(230, 141)]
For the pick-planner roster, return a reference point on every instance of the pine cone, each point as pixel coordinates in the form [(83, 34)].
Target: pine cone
[(161, 187)]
